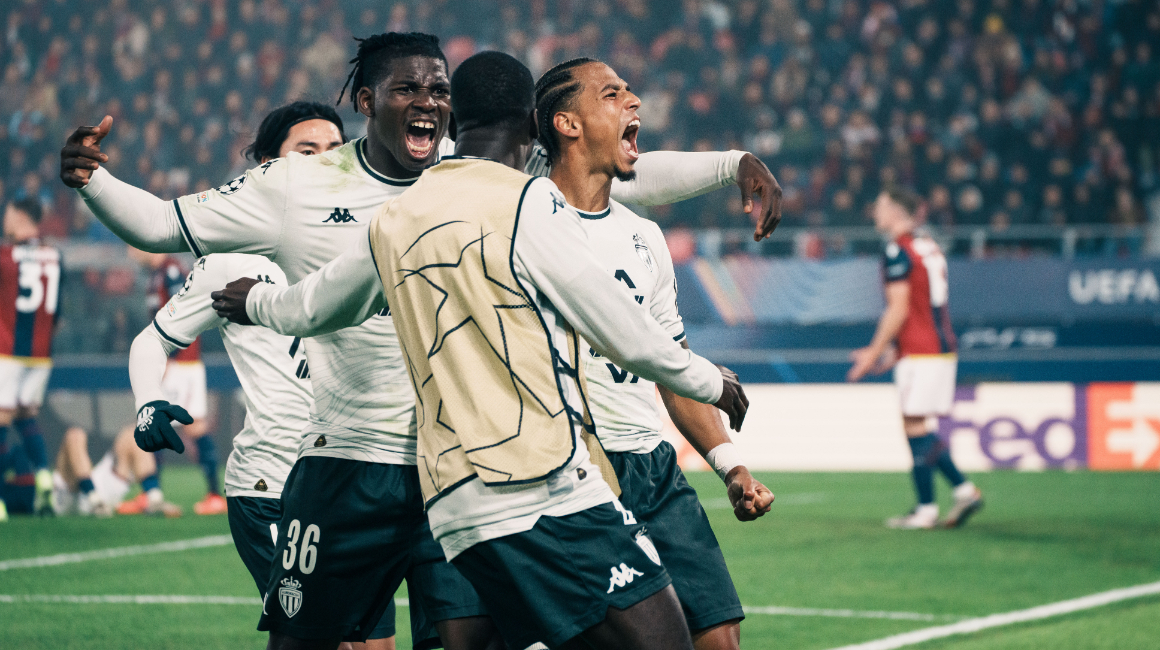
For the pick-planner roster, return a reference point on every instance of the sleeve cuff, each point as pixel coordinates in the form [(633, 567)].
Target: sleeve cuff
[(95, 186), (253, 305)]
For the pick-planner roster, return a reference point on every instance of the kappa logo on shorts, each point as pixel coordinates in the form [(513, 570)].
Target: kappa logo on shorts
[(622, 575), (291, 597), (647, 546), (145, 418)]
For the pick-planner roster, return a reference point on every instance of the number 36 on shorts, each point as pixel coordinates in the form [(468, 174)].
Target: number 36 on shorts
[(308, 556)]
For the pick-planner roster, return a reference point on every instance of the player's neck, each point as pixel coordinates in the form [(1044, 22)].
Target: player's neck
[(584, 188), (382, 161), (504, 147)]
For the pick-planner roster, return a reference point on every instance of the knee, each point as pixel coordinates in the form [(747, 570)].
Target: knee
[(7, 416)]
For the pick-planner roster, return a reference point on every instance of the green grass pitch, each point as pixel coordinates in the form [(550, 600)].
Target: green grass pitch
[(1043, 537)]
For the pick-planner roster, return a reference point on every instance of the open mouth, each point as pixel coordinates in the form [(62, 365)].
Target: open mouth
[(628, 139), (420, 137)]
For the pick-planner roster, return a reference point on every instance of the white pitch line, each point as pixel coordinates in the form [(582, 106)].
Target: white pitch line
[(128, 599), (1009, 618), (848, 613), (120, 551), (120, 599)]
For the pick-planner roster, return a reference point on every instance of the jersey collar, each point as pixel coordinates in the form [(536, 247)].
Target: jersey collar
[(360, 151), (595, 215)]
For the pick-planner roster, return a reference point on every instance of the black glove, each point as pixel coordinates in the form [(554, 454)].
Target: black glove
[(154, 431)]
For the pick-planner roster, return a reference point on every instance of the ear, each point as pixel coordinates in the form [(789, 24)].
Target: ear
[(565, 125), (364, 101)]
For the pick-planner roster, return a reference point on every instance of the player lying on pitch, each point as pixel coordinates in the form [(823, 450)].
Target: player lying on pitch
[(301, 212), (78, 486)]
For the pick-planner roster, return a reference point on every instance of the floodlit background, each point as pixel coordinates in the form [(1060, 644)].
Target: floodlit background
[(1032, 127)]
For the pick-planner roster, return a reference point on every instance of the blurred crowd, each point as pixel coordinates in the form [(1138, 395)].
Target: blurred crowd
[(1001, 112)]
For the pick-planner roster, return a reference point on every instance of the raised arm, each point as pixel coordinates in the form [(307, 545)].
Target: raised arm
[(243, 216), (551, 250), (671, 176), (343, 293)]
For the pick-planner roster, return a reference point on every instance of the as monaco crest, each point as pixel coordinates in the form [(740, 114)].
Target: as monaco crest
[(290, 596)]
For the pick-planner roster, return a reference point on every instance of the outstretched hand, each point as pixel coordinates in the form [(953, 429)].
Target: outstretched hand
[(81, 155), (230, 303), (749, 498), (154, 430), (753, 177), (733, 400)]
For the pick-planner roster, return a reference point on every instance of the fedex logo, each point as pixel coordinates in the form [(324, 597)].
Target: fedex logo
[(1017, 426), (1124, 427)]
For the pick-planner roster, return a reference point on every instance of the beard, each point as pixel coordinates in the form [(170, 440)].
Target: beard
[(625, 177)]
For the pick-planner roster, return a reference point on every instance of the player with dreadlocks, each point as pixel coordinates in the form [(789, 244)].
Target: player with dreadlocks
[(352, 510)]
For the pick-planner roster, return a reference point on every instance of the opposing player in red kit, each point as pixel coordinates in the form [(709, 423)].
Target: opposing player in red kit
[(29, 296), (914, 336), (184, 382)]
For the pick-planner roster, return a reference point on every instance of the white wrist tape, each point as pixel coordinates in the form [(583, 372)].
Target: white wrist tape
[(724, 458)]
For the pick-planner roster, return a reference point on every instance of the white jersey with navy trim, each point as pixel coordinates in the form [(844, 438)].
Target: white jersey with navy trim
[(302, 212), (272, 369), (633, 251)]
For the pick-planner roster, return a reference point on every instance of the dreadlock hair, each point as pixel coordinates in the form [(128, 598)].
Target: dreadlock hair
[(554, 93), (276, 126), (491, 88), (376, 53)]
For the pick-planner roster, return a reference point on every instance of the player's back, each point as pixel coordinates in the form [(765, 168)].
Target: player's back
[(917, 259), (29, 298)]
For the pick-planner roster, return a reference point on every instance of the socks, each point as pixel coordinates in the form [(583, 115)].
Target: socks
[(207, 458), (150, 483), (33, 442), (923, 472), (85, 485), (946, 465)]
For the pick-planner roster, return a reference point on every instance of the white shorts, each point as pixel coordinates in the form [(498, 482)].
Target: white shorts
[(184, 385), (106, 483), (926, 383), (23, 380)]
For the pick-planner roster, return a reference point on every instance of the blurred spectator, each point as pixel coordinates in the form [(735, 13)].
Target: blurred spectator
[(973, 103)]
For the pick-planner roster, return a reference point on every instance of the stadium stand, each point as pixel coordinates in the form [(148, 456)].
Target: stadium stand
[(1032, 127)]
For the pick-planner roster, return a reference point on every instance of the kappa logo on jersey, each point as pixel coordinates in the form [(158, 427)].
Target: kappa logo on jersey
[(622, 575), (557, 203), (340, 215), (232, 186), (646, 545), (266, 165), (643, 251), (145, 418), (290, 596)]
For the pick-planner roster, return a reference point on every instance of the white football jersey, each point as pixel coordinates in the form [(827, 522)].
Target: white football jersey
[(633, 251), (302, 212), (272, 369)]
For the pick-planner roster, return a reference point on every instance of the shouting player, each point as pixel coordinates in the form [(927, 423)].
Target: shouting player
[(914, 336), (29, 296), (302, 212), (491, 280), (182, 383), (588, 125)]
